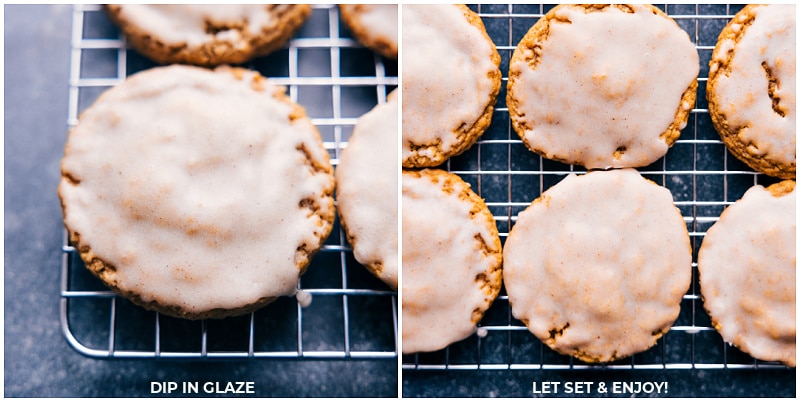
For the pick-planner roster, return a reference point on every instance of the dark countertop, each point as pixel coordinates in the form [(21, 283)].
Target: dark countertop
[(38, 360), (679, 383)]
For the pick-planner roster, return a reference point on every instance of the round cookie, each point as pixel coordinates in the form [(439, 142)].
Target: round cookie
[(747, 268), (452, 260), (751, 88), (366, 190), (374, 25), (450, 82), (596, 267), (197, 193), (207, 35), (602, 86)]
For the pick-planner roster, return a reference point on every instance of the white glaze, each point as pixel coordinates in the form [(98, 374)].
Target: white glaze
[(441, 259), (747, 265), (446, 67), (367, 180), (604, 81), (607, 253), (742, 93), (380, 20), (303, 298), (190, 186), (185, 23)]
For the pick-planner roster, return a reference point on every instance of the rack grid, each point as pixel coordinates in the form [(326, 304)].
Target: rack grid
[(352, 314), (702, 176)]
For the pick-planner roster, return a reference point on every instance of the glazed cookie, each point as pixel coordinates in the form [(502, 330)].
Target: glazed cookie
[(366, 190), (452, 261), (752, 88), (450, 80), (207, 35), (597, 266), (602, 86), (747, 273), (196, 193), (374, 25)]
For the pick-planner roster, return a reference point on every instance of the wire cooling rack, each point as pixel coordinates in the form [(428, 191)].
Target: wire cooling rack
[(702, 176), (352, 315)]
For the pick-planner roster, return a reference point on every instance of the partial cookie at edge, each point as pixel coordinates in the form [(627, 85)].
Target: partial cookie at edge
[(747, 269), (751, 88), (452, 261), (366, 190), (374, 25), (207, 35), (451, 79)]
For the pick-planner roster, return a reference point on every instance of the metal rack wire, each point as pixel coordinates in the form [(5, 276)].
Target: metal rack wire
[(352, 315), (702, 176)]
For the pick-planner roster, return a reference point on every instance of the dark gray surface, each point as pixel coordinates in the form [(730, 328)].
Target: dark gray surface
[(38, 361), (685, 384)]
